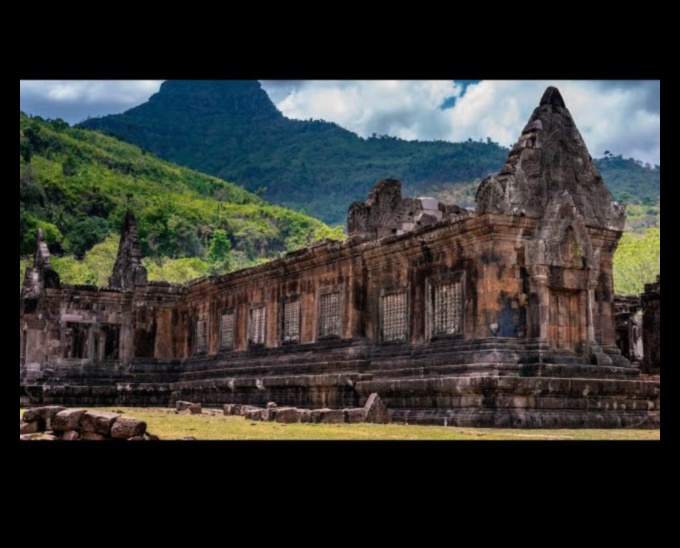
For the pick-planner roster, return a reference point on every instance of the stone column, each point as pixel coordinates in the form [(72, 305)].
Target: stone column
[(539, 307)]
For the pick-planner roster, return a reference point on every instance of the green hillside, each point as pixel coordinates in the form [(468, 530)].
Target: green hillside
[(232, 130), (76, 185)]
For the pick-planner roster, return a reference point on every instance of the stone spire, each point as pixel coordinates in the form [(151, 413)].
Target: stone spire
[(42, 275), (128, 270), (550, 158)]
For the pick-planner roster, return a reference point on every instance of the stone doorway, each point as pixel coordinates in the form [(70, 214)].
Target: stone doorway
[(566, 325)]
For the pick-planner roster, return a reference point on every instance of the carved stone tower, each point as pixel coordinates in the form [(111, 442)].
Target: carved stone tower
[(128, 270)]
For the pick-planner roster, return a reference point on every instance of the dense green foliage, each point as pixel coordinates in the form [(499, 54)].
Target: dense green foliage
[(76, 185), (232, 129), (637, 261)]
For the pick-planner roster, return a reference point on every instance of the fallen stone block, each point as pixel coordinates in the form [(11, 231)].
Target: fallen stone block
[(316, 414), (182, 405), (245, 409), (68, 419), (28, 427), (124, 428), (332, 416), (254, 414), (71, 435), (195, 409), (355, 414), (287, 414), (304, 415), (42, 415), (268, 414), (376, 410), (99, 422), (92, 436)]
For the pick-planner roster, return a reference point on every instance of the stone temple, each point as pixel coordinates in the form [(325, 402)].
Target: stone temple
[(499, 317)]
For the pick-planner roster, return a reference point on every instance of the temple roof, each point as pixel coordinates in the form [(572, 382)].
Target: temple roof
[(549, 158)]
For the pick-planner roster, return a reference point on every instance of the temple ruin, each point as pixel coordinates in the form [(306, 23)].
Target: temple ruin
[(502, 316)]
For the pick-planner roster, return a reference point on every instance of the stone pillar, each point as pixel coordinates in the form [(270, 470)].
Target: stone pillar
[(539, 303)]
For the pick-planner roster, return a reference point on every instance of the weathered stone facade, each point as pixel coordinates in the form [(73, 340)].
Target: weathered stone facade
[(499, 317)]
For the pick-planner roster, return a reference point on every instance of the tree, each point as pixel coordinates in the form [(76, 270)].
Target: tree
[(637, 261), (218, 255)]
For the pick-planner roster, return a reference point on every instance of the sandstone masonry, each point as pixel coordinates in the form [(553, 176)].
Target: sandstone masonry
[(499, 317)]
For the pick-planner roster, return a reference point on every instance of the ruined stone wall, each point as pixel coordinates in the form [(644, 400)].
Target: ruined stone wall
[(301, 299), (651, 330)]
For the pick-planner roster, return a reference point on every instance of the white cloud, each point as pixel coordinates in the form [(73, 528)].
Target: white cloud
[(620, 116), (74, 100)]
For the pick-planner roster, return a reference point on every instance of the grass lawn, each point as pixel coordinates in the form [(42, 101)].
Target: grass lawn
[(170, 426)]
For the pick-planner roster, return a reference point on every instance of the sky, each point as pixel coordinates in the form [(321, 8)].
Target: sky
[(619, 116)]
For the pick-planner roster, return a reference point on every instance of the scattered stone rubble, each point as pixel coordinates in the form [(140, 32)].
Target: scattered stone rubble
[(374, 411), (53, 422)]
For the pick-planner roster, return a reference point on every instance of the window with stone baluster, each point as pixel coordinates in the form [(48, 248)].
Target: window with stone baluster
[(227, 325), (290, 319), (256, 325), (394, 316), (200, 337), (329, 314), (446, 305)]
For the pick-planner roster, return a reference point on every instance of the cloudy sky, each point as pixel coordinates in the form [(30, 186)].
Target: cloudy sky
[(621, 116)]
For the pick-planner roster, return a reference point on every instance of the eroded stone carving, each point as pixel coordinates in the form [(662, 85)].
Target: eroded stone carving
[(548, 159), (128, 270), (386, 213)]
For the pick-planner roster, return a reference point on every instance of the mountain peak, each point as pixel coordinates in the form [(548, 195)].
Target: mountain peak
[(240, 97)]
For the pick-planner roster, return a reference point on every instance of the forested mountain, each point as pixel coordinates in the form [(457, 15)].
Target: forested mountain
[(231, 129), (76, 185)]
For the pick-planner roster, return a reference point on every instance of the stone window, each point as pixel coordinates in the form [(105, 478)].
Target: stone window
[(227, 330), (200, 337), (291, 320), (447, 306), (329, 314), (110, 336), (394, 316), (75, 340), (256, 325)]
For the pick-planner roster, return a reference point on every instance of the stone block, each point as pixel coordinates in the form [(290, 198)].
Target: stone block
[(126, 427), (268, 414), (304, 415), (28, 427), (43, 414), (287, 414), (376, 410), (182, 405), (229, 409), (254, 414), (332, 416), (195, 409), (99, 422), (354, 415), (245, 409), (431, 204), (316, 414), (68, 419), (92, 436), (71, 435), (271, 405)]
